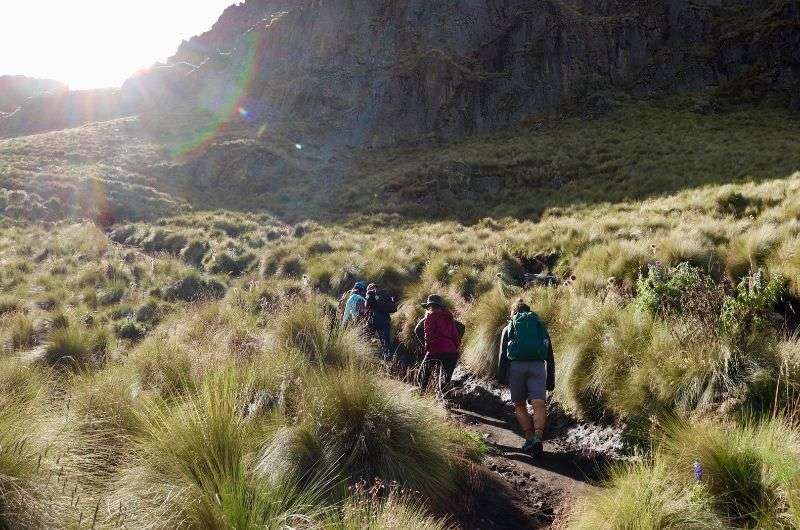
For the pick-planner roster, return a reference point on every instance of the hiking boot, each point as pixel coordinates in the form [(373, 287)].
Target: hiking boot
[(533, 446)]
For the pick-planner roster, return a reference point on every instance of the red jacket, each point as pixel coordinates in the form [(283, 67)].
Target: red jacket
[(441, 333)]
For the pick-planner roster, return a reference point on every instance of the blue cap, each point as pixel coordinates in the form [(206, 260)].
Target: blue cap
[(360, 286)]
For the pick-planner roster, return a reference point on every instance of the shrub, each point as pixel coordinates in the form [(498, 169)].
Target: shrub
[(663, 289), (194, 252), (735, 204), (9, 305), (21, 333), (357, 427), (75, 348), (688, 248), (579, 350), (307, 326), (163, 364), (193, 288), (747, 469), (130, 330), (191, 466), (291, 268), (646, 495), (227, 263), (112, 292), (751, 251), (103, 423), (22, 498), (486, 321), (617, 261), (378, 510), (148, 313), (510, 270), (745, 313)]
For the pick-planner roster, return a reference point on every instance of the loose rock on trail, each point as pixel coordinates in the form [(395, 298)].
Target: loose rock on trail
[(528, 492)]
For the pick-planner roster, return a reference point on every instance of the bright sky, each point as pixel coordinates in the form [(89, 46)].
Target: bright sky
[(97, 43)]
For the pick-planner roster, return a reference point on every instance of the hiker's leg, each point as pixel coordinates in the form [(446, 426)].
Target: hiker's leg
[(430, 370), (424, 374), (445, 374), (524, 419), (539, 416), (517, 379), (385, 339), (537, 392), (449, 366)]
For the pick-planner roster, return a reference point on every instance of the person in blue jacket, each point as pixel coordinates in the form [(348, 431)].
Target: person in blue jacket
[(355, 308)]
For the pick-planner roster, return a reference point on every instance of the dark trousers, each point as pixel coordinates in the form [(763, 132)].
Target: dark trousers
[(384, 336), (438, 371)]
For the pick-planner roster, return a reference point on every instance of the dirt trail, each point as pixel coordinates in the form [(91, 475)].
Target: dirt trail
[(541, 491)]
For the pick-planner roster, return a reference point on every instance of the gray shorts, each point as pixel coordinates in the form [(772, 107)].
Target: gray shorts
[(528, 380)]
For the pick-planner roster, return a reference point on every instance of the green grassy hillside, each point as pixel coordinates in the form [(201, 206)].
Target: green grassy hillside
[(637, 150), (182, 366)]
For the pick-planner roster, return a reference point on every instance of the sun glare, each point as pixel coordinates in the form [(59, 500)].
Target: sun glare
[(96, 43)]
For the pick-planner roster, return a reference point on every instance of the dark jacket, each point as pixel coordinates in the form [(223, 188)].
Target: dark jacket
[(441, 334), (503, 361), (380, 307)]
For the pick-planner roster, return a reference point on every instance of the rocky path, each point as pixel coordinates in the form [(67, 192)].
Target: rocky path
[(528, 492)]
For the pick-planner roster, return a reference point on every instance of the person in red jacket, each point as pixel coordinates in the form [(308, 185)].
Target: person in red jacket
[(441, 334)]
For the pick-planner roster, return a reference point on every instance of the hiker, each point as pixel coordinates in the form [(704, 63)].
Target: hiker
[(526, 363), (441, 334), (355, 307), (380, 307)]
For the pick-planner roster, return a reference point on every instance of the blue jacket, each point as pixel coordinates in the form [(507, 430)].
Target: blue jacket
[(354, 309)]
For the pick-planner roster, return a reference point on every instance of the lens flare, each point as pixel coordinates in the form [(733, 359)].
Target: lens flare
[(233, 105)]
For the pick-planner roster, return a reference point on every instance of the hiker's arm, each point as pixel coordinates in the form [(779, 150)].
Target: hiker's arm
[(503, 345), (551, 366), (362, 308), (502, 358), (461, 329), (419, 331)]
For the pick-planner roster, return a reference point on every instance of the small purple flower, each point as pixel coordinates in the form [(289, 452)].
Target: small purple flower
[(698, 471)]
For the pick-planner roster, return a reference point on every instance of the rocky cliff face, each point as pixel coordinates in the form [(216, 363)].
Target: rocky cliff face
[(376, 72), (382, 72)]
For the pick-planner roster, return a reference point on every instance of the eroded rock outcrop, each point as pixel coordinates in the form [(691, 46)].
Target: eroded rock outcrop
[(376, 72), (382, 72)]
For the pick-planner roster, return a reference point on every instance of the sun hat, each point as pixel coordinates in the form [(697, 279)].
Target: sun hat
[(434, 300)]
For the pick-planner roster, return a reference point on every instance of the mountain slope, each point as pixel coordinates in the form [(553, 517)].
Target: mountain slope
[(383, 72), (15, 89), (387, 72), (638, 150)]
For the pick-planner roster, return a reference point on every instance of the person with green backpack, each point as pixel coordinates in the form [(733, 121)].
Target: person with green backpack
[(526, 363)]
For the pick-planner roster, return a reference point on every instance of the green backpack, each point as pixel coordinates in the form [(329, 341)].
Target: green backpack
[(528, 338)]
